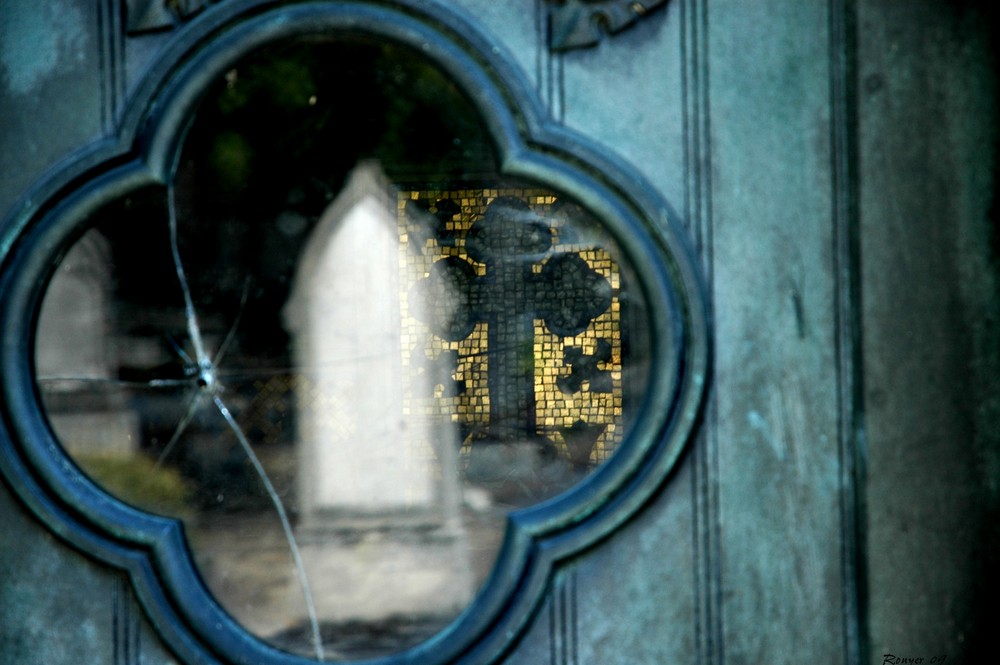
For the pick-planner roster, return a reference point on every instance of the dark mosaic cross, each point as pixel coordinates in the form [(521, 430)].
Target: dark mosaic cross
[(566, 293), (585, 368)]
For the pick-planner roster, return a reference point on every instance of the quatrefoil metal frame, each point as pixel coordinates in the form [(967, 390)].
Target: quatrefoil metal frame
[(530, 145)]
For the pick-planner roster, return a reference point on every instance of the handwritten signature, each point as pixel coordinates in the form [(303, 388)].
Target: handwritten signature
[(892, 659)]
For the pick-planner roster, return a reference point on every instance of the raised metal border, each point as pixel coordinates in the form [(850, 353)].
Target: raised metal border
[(530, 145)]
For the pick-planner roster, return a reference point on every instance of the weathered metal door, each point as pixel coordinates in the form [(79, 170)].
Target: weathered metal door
[(782, 214)]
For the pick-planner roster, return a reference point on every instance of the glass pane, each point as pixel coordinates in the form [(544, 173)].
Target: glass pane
[(341, 347)]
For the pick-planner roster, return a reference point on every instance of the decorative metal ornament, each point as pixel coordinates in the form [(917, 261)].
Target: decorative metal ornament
[(572, 23), (149, 15), (578, 23)]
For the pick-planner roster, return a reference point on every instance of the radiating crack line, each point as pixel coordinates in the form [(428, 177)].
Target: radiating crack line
[(152, 383), (221, 353), (181, 427), (303, 370), (179, 350), (208, 385), (194, 332), (285, 524)]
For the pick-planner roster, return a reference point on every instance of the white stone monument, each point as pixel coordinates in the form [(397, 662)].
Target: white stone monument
[(75, 358), (376, 504)]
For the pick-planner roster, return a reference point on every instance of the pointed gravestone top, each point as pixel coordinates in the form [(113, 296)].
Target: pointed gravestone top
[(359, 453), (377, 528)]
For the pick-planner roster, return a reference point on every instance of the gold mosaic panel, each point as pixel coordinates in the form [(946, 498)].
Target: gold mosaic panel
[(558, 413)]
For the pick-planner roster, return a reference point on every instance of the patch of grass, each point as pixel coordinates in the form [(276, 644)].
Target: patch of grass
[(135, 480)]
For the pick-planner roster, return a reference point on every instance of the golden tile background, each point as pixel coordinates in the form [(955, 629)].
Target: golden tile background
[(556, 411)]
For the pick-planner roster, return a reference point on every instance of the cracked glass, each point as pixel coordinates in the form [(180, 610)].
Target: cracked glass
[(341, 347)]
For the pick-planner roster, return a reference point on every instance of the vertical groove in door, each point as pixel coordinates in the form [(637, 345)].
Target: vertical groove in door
[(847, 321), (564, 621), (111, 49), (698, 216), (549, 67), (126, 642)]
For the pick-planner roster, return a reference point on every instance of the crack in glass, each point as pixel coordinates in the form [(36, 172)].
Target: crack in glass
[(208, 385)]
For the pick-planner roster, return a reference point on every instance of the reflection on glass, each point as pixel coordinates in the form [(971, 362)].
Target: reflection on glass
[(340, 347)]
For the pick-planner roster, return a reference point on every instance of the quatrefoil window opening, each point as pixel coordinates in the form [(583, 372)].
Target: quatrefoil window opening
[(495, 371)]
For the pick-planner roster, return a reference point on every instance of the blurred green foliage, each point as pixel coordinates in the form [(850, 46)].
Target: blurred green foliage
[(298, 116), (136, 480)]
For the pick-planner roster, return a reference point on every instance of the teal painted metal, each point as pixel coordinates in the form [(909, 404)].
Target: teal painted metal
[(144, 152)]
